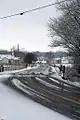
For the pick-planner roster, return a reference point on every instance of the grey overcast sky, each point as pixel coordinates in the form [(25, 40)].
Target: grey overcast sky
[(29, 30)]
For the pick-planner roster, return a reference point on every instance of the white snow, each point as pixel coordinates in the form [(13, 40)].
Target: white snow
[(14, 106), (46, 83), (76, 83), (21, 86), (56, 75), (54, 70), (54, 80), (4, 77), (16, 71)]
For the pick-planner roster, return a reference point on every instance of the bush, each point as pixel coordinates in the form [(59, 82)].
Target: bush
[(72, 74)]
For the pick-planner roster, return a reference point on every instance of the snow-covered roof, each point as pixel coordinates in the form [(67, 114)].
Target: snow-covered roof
[(58, 58), (43, 61), (9, 57)]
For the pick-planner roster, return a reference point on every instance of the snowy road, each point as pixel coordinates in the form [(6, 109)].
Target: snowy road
[(15, 106)]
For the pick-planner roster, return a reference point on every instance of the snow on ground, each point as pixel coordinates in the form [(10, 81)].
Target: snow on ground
[(46, 83), (76, 83), (46, 71), (21, 86), (14, 106), (16, 71), (56, 75), (4, 77), (54, 70)]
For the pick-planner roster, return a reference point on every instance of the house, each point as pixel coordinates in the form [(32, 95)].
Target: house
[(57, 60), (9, 59)]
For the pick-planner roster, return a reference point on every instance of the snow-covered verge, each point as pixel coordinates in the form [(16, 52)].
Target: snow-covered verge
[(16, 71), (15, 106), (4, 77), (57, 76)]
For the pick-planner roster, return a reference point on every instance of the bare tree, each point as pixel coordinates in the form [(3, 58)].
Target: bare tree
[(67, 28)]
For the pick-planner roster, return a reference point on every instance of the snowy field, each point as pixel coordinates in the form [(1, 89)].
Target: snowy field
[(15, 106)]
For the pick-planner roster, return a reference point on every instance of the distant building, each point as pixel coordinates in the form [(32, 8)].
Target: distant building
[(41, 61), (20, 54), (13, 56), (9, 59)]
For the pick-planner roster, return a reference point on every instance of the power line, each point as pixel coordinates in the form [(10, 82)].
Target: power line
[(32, 10)]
